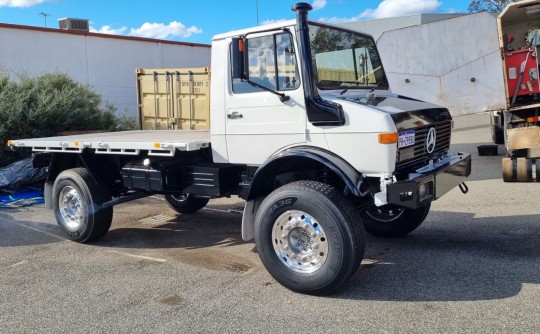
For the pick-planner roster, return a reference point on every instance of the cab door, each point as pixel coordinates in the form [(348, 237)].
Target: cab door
[(258, 123)]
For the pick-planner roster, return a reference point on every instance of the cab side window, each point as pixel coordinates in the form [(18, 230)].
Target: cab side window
[(272, 64)]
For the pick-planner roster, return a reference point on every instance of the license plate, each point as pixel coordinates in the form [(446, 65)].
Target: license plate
[(406, 138), (406, 154)]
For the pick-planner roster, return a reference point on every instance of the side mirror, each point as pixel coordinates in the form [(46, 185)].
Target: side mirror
[(239, 58)]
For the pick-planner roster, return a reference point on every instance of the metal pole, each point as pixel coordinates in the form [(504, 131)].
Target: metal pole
[(178, 97), (190, 86), (257, 10), (44, 17), (155, 100), (167, 95)]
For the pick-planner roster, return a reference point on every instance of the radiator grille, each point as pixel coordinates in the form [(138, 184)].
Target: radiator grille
[(417, 154)]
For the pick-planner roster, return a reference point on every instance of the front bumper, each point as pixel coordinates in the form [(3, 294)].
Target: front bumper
[(430, 182)]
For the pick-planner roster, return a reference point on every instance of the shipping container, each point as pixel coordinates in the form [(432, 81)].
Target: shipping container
[(173, 98)]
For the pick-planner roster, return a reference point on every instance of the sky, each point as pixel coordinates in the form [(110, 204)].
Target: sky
[(197, 21)]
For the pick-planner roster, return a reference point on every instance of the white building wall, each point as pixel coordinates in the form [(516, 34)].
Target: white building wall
[(455, 63), (377, 27), (105, 62)]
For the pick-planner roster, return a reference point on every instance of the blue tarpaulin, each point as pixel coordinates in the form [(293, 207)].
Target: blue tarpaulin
[(21, 198), (20, 183), (20, 174)]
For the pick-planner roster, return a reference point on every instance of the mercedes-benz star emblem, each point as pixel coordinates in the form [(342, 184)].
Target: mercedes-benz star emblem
[(431, 140)]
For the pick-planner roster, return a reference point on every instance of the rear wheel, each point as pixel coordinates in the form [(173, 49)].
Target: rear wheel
[(77, 205), (393, 221), (185, 203), (309, 237)]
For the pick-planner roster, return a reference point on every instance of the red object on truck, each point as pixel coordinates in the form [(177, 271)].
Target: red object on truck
[(529, 83)]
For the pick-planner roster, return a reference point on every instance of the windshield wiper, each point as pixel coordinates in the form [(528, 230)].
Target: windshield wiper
[(379, 84), (282, 97)]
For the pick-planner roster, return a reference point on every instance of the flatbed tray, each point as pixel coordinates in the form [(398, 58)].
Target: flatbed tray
[(156, 142)]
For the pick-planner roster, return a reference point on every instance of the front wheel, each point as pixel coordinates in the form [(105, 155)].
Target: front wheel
[(77, 205), (393, 221), (309, 237)]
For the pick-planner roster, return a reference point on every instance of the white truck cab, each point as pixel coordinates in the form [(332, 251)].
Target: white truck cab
[(304, 127)]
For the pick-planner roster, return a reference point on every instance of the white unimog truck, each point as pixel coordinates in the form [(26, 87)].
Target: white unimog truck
[(304, 127)]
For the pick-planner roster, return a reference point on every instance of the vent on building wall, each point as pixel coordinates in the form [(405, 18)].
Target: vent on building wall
[(73, 24)]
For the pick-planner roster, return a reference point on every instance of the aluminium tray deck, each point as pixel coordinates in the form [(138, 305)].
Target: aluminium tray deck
[(156, 142)]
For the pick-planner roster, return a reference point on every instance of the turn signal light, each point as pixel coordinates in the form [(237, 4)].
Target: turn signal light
[(388, 138), (241, 45), (9, 143)]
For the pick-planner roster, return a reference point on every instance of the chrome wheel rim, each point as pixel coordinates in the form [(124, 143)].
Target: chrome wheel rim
[(72, 208), (300, 242), (385, 213)]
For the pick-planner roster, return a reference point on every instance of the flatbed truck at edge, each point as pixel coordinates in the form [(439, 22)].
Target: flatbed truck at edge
[(304, 128)]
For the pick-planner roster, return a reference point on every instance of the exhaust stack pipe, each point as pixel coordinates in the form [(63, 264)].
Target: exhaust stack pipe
[(320, 112), (302, 30)]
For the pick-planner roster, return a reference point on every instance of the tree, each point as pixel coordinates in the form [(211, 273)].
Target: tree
[(488, 5)]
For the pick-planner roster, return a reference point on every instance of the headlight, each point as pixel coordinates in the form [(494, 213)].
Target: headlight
[(424, 190)]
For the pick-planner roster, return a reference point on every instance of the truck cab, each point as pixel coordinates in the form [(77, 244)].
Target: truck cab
[(302, 85)]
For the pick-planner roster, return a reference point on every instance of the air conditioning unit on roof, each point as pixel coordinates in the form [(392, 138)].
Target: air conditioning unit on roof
[(74, 24)]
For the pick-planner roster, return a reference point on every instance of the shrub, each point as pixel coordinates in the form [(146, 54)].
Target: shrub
[(44, 105)]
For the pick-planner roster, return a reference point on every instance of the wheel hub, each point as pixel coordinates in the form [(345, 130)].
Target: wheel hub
[(299, 241), (71, 208)]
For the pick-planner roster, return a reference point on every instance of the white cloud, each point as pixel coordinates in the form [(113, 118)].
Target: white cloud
[(392, 8), (162, 31), (106, 29), (319, 4), (336, 20), (265, 22), (21, 3)]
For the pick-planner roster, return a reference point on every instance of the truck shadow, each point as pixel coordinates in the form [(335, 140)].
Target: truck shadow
[(205, 240), (206, 228), (459, 258)]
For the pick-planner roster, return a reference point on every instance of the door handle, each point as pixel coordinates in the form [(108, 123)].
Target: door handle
[(235, 115)]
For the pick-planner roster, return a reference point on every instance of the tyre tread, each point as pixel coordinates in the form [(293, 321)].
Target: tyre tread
[(353, 225)]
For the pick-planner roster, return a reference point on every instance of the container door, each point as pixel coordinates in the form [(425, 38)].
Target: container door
[(258, 122)]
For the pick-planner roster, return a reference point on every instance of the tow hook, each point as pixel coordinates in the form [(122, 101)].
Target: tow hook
[(463, 187)]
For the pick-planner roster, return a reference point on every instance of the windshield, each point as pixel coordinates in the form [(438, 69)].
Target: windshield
[(344, 59)]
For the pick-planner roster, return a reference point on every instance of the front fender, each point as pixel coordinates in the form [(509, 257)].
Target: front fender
[(263, 181)]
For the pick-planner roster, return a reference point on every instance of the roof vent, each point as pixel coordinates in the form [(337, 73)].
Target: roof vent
[(74, 24)]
